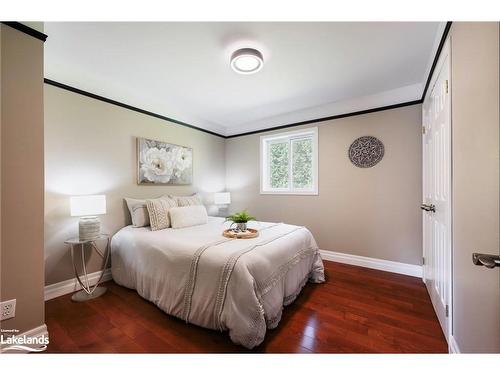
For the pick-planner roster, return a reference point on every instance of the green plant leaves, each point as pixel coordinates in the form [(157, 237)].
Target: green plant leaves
[(240, 217)]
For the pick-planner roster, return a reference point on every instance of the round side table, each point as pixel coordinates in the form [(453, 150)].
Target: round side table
[(88, 292)]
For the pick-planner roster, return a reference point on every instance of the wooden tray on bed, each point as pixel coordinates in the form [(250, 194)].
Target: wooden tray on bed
[(249, 233)]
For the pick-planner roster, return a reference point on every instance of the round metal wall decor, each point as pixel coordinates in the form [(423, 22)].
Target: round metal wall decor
[(366, 151)]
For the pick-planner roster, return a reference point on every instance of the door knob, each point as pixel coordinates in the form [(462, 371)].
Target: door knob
[(428, 207), (487, 260)]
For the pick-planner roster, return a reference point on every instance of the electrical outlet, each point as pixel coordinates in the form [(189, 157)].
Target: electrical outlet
[(8, 309)]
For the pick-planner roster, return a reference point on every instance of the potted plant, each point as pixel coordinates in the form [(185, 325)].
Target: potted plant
[(240, 219)]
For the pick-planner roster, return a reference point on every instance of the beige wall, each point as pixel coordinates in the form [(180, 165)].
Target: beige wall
[(371, 212), (475, 144), (90, 149), (22, 178)]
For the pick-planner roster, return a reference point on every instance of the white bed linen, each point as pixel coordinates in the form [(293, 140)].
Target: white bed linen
[(200, 276)]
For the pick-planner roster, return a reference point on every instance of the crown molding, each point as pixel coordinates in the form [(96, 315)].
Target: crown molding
[(335, 117), (171, 120), (127, 106), (26, 29), (329, 111), (436, 57)]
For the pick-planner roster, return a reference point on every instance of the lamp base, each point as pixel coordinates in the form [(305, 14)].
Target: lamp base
[(89, 228)]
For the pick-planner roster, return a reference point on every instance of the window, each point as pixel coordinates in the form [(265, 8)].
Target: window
[(289, 163)]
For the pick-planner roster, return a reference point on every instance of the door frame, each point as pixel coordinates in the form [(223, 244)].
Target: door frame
[(445, 52)]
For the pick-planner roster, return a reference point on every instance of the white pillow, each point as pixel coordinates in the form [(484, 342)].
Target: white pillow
[(138, 212), (158, 212), (188, 216), (188, 200)]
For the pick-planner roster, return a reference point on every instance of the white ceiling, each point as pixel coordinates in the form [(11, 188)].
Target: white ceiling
[(181, 70)]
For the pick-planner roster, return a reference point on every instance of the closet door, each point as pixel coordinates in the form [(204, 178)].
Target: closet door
[(436, 205)]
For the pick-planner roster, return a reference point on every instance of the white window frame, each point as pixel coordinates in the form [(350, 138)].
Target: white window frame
[(266, 140)]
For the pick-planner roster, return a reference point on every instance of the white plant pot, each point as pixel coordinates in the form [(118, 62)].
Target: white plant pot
[(240, 227)]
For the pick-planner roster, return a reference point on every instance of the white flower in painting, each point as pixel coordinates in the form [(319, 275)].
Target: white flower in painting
[(182, 159), (157, 164)]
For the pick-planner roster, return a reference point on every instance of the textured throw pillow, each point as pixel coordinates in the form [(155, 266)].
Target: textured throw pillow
[(190, 200), (138, 212), (158, 210), (188, 216)]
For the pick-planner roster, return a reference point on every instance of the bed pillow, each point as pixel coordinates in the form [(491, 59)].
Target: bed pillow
[(188, 216), (158, 210), (138, 212), (190, 200)]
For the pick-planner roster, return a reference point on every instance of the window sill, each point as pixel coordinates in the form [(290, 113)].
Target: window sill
[(289, 192)]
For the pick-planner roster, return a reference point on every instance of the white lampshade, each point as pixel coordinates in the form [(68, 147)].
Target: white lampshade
[(88, 205), (222, 198)]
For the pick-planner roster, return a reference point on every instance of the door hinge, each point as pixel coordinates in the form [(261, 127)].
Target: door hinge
[(423, 129), (446, 85), (423, 261), (447, 311)]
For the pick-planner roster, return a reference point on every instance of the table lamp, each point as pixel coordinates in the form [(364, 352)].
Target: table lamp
[(222, 199), (87, 207)]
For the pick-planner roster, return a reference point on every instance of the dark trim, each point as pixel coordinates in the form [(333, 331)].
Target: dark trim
[(123, 105), (27, 30), (335, 117), (436, 58), (132, 108)]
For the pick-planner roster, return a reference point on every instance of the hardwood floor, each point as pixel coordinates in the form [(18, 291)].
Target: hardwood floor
[(358, 310)]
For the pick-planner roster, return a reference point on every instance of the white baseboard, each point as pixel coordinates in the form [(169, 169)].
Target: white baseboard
[(72, 285), (34, 333), (378, 264), (453, 346)]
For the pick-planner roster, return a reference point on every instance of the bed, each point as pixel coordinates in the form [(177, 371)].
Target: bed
[(196, 274)]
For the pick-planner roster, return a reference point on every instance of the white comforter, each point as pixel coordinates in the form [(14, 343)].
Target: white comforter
[(200, 276)]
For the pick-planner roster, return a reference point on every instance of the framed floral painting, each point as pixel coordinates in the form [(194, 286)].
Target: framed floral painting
[(162, 163)]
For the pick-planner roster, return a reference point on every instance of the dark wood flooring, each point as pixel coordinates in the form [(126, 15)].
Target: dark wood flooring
[(358, 310)]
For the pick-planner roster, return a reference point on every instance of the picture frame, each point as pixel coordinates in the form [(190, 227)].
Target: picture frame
[(163, 163)]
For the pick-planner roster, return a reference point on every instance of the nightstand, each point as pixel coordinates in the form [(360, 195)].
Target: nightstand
[(87, 291)]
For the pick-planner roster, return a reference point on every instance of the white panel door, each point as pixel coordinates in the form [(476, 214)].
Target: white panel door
[(436, 205)]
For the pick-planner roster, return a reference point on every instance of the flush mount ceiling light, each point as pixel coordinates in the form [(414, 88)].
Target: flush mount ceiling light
[(247, 61)]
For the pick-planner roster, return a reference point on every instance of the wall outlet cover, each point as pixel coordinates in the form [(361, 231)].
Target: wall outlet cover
[(7, 309)]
